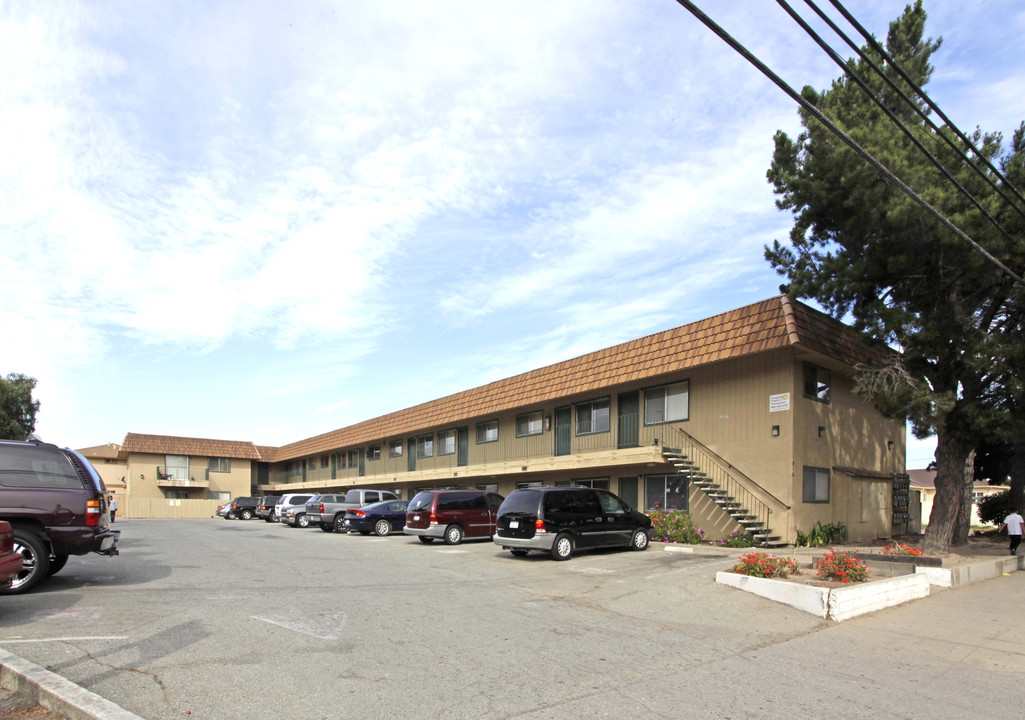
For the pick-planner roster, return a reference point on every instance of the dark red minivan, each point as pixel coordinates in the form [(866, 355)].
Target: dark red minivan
[(452, 515)]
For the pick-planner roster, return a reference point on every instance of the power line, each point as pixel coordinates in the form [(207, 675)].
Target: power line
[(877, 48), (868, 157), (893, 117)]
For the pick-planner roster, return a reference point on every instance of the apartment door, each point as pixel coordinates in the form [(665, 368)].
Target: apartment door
[(411, 456), (563, 430), (462, 446), (628, 420), (362, 462)]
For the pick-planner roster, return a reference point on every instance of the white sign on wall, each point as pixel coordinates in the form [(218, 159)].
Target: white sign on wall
[(779, 403)]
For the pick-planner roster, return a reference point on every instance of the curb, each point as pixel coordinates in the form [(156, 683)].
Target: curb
[(53, 692)]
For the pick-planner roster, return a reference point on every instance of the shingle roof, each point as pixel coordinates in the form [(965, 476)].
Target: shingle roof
[(194, 447), (771, 324)]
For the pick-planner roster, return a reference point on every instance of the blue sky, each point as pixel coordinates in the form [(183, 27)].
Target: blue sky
[(263, 221)]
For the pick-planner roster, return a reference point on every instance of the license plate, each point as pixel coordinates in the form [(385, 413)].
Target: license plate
[(416, 517), (514, 524)]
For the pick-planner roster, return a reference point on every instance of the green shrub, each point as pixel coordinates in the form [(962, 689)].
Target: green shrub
[(994, 508), (674, 526), (760, 564), (821, 535), (737, 539)]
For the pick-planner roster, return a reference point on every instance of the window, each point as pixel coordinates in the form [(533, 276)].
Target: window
[(600, 483), (487, 487), (528, 424), (218, 495), (816, 383), (425, 446), (374, 452), (176, 466), (593, 417), (311, 464), (529, 484), (487, 431), (816, 485), (395, 449), (447, 442), (340, 461), (324, 462), (353, 458), (670, 403), (666, 492)]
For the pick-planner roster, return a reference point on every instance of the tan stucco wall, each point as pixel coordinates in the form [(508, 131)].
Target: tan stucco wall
[(143, 484)]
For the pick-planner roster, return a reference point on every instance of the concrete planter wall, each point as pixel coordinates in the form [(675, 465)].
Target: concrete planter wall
[(833, 603)]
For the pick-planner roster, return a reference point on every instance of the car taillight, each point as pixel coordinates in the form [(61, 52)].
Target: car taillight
[(539, 527), (434, 519), (92, 513), (359, 513), (322, 507)]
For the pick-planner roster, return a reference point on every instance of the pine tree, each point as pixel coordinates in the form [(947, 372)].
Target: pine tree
[(867, 252)]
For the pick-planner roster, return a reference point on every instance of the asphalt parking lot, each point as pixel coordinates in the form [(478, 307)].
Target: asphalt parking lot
[(215, 619)]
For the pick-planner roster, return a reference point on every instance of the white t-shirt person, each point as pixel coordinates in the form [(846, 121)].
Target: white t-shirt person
[(1014, 523)]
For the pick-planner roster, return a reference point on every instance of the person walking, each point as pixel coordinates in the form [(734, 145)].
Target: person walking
[(1013, 523), (113, 508)]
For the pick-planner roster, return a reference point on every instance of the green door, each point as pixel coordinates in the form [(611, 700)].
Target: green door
[(628, 420), (463, 446), (411, 458), (563, 430), (362, 462), (628, 491)]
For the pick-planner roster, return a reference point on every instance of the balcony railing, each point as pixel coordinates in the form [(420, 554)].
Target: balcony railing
[(165, 479), (625, 432)]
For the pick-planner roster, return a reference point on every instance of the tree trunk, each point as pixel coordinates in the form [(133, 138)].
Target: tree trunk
[(964, 515), (1018, 476), (946, 516)]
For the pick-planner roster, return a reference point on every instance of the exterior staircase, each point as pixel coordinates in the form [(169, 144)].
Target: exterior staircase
[(727, 491)]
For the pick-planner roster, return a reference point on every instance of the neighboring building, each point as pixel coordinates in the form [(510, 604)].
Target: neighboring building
[(758, 401), (112, 469), (925, 482), (161, 467)]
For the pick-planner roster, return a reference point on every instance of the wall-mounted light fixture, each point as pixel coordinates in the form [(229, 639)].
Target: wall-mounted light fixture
[(548, 422), (142, 477), (822, 430), (889, 445), (775, 430)]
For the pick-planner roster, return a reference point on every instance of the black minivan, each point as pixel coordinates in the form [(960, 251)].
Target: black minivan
[(563, 519)]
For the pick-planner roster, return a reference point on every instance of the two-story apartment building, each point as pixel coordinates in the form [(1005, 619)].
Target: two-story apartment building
[(756, 404), (759, 399)]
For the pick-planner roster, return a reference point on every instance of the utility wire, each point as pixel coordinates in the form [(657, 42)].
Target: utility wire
[(814, 111), (876, 47), (890, 114)]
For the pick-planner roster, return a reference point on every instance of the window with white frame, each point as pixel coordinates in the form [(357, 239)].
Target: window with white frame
[(447, 442), (425, 446), (374, 452), (395, 448), (593, 417), (668, 403), (487, 431), (218, 495), (528, 424), (816, 485)]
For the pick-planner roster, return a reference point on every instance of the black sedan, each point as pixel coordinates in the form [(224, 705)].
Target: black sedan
[(381, 518)]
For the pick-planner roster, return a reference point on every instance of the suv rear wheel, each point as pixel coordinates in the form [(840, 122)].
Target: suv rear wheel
[(35, 559), (246, 514)]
